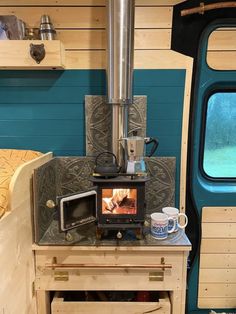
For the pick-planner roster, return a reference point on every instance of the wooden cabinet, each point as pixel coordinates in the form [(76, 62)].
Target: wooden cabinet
[(117, 268), (15, 54)]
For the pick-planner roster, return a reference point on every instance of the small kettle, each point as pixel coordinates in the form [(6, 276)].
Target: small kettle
[(104, 165)]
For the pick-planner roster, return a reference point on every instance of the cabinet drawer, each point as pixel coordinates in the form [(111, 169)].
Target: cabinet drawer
[(109, 270), (60, 305)]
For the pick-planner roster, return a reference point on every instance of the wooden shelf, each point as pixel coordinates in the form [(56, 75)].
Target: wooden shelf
[(15, 54)]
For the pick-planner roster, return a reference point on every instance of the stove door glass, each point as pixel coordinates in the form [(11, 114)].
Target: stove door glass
[(119, 201)]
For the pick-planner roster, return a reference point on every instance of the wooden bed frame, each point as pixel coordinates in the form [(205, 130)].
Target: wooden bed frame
[(16, 258)]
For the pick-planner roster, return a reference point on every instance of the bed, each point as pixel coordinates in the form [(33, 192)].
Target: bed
[(16, 258)]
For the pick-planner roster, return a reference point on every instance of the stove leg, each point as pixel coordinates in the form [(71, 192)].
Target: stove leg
[(139, 233), (98, 233)]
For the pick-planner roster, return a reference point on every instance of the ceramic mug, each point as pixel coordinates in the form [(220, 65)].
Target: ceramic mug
[(159, 225), (175, 214)]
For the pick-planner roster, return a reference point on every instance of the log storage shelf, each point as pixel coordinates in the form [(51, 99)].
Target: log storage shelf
[(31, 54)]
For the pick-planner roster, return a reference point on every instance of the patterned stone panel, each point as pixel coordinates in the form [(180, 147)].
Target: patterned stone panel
[(45, 188), (98, 122), (74, 174), (160, 190), (138, 116)]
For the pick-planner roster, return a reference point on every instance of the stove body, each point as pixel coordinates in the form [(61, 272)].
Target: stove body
[(120, 204)]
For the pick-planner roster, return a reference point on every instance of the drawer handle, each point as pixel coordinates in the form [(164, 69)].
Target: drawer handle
[(108, 266)]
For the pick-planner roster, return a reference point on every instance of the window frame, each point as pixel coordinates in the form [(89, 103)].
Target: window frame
[(216, 88)]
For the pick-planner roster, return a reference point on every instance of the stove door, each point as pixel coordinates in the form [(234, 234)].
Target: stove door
[(77, 209), (121, 203)]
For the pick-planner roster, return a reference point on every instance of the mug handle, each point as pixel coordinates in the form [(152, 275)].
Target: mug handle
[(173, 228), (186, 220)]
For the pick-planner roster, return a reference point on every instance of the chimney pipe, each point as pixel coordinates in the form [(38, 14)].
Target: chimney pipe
[(120, 51)]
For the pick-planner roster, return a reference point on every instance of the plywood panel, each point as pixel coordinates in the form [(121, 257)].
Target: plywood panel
[(218, 246), (218, 230), (83, 2), (222, 60), (96, 39), (222, 40), (216, 290), (217, 275), (219, 214), (218, 261), (89, 17), (217, 303)]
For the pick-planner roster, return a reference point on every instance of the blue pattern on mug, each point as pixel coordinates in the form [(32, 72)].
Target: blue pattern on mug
[(159, 231)]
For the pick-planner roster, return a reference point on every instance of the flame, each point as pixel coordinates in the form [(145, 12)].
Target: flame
[(121, 193)]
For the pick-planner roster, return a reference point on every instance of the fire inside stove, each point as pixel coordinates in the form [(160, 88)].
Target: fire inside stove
[(119, 201)]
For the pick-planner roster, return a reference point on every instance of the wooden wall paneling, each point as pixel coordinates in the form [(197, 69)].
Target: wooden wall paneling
[(217, 274), (153, 17), (222, 60), (89, 17), (222, 40), (143, 59), (84, 59), (152, 39), (184, 137), (217, 261), (208, 275), (217, 290), (219, 214), (83, 2), (218, 303), (85, 39), (218, 230), (161, 59), (62, 17), (96, 39), (218, 245), (222, 49)]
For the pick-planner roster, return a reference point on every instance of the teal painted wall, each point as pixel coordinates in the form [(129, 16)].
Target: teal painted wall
[(44, 110)]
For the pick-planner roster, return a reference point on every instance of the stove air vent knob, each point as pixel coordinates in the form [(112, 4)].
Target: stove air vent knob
[(50, 204), (119, 235)]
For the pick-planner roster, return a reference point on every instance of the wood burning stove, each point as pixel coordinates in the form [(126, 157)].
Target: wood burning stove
[(120, 204)]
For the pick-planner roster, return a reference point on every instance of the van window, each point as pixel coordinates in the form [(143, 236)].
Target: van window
[(219, 156)]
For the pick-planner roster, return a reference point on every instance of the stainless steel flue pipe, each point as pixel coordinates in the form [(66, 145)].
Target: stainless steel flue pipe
[(120, 55)]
